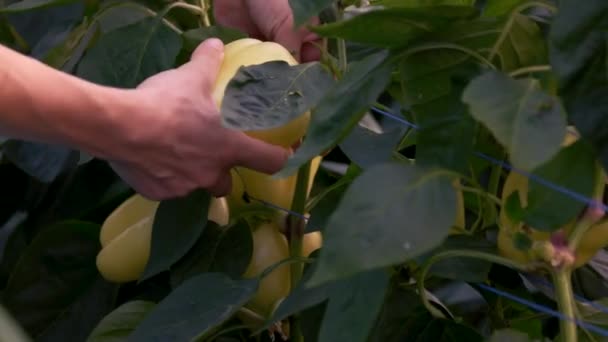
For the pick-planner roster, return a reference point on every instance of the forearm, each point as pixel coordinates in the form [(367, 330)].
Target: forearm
[(39, 103)]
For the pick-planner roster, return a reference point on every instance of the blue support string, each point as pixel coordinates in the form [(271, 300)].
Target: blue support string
[(544, 309), (553, 186), (581, 198)]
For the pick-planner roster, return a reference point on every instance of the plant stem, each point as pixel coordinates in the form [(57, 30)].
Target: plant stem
[(565, 302), (295, 225), (205, 13), (466, 254), (530, 69)]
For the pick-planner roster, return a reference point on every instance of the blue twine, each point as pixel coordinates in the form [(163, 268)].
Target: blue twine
[(579, 298), (543, 309), (589, 201), (558, 188)]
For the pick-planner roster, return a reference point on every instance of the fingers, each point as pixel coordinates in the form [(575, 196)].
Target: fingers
[(222, 187), (205, 63), (260, 156)]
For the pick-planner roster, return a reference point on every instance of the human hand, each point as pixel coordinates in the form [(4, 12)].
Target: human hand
[(269, 20), (178, 143)]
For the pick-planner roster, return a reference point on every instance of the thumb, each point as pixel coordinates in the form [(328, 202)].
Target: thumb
[(206, 61)]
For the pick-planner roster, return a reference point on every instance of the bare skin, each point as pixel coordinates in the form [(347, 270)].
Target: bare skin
[(164, 137), (269, 20)]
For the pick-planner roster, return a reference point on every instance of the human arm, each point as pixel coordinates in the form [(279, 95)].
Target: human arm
[(164, 138)]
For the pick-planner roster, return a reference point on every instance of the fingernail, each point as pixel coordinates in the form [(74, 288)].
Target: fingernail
[(216, 44)]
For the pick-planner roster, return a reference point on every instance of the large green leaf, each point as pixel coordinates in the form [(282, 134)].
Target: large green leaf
[(271, 94), (394, 27), (192, 38), (75, 323), (383, 213), (579, 46), (305, 9), (42, 161), (28, 5), (342, 107), (59, 55), (530, 123), (573, 168), (194, 308), (52, 275), (219, 249), (366, 148), (178, 223), (126, 56), (359, 302), (509, 335), (118, 325), (404, 318), (496, 8), (446, 133)]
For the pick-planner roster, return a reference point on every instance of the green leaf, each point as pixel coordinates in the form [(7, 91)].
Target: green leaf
[(366, 148), (509, 335), (394, 27), (59, 55), (28, 5), (579, 44), (400, 311), (76, 322), (342, 108), (178, 223), (192, 38), (497, 8), (412, 199), (572, 168), (446, 133), (53, 273), (42, 161), (271, 94), (130, 54), (404, 318), (115, 15), (360, 300), (462, 268), (305, 9), (193, 309), (322, 211), (528, 122), (118, 324), (523, 44), (219, 249)]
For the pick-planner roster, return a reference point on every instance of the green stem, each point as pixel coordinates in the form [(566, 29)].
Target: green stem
[(565, 303), (205, 13), (448, 46), (467, 254), (530, 69), (505, 31), (494, 180), (481, 192), (342, 59), (296, 234)]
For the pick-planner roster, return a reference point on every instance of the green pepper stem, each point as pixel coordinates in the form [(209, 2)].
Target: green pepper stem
[(466, 254), (295, 228), (565, 303)]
